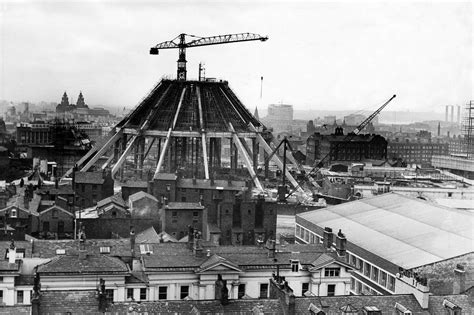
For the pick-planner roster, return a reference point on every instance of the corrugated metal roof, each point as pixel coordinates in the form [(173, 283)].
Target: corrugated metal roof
[(406, 231)]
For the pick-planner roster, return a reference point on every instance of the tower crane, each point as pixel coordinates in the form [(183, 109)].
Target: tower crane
[(349, 137), (181, 43)]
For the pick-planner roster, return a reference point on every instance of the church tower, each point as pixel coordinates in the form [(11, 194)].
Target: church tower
[(80, 101), (65, 100)]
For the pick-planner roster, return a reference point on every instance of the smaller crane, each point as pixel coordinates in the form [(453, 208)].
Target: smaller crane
[(181, 43)]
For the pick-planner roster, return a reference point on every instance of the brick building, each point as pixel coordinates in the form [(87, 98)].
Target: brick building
[(57, 221), (177, 216), (345, 149), (416, 151), (233, 215), (90, 187)]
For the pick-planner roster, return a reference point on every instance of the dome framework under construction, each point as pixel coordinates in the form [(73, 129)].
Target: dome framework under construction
[(186, 123)]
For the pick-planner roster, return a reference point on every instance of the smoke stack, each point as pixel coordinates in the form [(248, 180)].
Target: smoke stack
[(452, 113), (132, 241), (328, 237), (12, 253), (341, 244), (446, 114), (271, 248), (460, 279)]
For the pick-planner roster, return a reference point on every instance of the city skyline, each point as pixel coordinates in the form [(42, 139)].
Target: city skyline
[(358, 54)]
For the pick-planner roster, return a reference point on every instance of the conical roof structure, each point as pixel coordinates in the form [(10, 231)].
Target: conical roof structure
[(198, 128)]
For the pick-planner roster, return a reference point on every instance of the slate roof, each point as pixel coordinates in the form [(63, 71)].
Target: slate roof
[(141, 194), (61, 190), (117, 199), (184, 206), (171, 256), (57, 208), (235, 307), (334, 304), (89, 177), (206, 184), (166, 176), (47, 248), (6, 266), (136, 184), (92, 264), (4, 245), (463, 301), (405, 231)]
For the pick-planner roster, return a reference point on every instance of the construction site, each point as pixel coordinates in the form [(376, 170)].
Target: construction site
[(198, 129)]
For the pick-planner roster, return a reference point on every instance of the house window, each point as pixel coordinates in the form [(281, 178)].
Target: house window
[(94, 187), (375, 274), (142, 294), (1, 296), (83, 187), (263, 290), (195, 214), (383, 278), (162, 293), (129, 294), (60, 226), (366, 269), (184, 292), (13, 214), (46, 226), (109, 295), (174, 214), (55, 214), (391, 283), (304, 288), (353, 284), (105, 249), (332, 272), (241, 291), (19, 297), (331, 289), (295, 265)]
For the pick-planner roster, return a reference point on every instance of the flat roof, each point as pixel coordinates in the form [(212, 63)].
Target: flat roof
[(408, 232)]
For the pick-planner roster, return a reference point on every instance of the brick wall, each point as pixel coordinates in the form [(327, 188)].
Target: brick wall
[(72, 302)]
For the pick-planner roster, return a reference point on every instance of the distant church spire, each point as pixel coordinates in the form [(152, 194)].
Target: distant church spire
[(256, 113), (65, 100), (80, 100)]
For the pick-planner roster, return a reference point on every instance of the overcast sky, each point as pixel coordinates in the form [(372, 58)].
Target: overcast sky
[(320, 55)]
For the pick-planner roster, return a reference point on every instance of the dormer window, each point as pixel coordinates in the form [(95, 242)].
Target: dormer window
[(451, 308), (295, 264), (402, 310), (314, 310), (105, 249), (146, 249), (372, 310)]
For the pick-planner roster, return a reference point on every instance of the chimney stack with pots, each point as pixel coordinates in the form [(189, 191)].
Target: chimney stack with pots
[(328, 237), (341, 244)]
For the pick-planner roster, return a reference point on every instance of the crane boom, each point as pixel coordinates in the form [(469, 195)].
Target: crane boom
[(180, 43), (372, 116)]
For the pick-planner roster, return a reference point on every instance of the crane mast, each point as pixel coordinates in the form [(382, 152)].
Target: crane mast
[(180, 43)]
